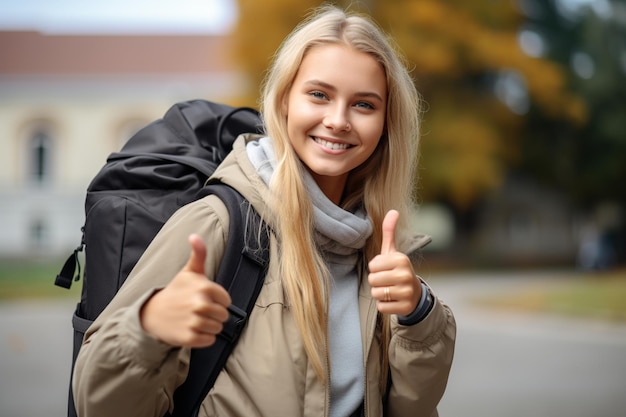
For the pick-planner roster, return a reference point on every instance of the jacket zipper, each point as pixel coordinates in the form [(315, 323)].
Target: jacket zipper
[(327, 388)]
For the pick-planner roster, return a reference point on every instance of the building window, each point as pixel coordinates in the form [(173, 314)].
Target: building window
[(38, 234), (40, 157)]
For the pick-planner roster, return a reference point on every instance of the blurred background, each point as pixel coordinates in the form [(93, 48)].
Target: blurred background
[(524, 134), (523, 159)]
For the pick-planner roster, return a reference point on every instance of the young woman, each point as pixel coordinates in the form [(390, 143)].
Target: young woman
[(343, 326)]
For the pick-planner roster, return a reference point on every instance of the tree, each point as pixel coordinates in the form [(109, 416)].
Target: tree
[(586, 160), (461, 52), (261, 27), (466, 54)]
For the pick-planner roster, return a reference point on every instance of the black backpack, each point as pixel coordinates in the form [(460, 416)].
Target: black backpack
[(161, 168)]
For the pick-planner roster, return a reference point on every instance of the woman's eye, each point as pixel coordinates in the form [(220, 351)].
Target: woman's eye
[(318, 94), (364, 105)]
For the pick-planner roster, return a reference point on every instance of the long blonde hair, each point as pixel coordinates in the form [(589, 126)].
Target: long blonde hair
[(385, 181)]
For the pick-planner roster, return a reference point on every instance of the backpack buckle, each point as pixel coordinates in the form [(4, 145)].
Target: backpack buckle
[(236, 321)]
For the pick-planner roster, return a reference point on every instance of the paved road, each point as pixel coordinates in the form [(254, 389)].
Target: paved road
[(506, 365), (35, 358), (514, 365)]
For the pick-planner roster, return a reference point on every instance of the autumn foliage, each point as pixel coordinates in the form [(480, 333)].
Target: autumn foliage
[(458, 51)]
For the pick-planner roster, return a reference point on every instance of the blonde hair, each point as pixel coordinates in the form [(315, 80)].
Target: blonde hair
[(385, 181)]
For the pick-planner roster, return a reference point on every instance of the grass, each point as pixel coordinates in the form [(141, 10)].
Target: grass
[(599, 295), (27, 279)]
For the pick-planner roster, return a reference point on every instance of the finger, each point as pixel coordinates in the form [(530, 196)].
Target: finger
[(219, 295), (212, 306), (389, 232), (385, 294), (207, 325), (198, 255), (200, 340)]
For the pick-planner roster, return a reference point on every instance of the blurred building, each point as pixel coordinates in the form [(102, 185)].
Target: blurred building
[(67, 101), (519, 224), (525, 224)]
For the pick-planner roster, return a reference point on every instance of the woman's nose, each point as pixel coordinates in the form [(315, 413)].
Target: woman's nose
[(337, 119)]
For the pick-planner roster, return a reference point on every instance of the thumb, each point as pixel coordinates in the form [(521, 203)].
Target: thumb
[(198, 255), (389, 232)]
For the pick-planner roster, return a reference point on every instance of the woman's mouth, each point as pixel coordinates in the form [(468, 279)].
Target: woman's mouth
[(331, 145)]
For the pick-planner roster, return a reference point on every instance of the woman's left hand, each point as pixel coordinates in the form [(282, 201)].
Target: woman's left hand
[(393, 281)]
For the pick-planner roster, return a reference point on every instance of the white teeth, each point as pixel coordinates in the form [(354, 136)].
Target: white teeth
[(331, 145)]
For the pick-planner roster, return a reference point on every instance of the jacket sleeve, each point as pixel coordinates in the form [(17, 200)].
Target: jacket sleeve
[(420, 358), (122, 371)]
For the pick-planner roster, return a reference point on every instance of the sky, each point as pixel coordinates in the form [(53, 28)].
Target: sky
[(118, 16), (154, 16)]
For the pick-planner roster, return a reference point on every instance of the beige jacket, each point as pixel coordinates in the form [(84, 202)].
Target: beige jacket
[(122, 371)]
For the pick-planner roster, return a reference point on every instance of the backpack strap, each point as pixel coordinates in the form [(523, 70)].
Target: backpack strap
[(242, 271)]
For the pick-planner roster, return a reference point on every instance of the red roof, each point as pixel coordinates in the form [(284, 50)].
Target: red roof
[(33, 53)]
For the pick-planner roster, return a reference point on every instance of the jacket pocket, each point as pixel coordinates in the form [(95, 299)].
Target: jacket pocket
[(272, 294)]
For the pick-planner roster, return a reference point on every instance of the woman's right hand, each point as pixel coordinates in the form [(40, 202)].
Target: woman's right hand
[(191, 309)]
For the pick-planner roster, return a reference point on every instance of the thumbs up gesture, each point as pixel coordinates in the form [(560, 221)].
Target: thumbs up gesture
[(191, 309), (393, 281)]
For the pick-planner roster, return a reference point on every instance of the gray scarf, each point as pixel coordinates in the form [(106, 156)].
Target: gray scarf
[(340, 235)]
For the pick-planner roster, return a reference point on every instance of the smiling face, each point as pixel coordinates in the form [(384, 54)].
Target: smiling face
[(336, 110)]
